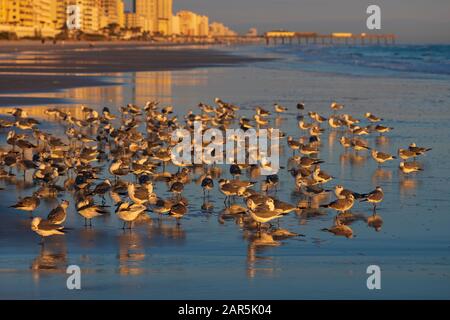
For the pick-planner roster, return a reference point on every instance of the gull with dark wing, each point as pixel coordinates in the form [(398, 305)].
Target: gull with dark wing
[(374, 197), (58, 215), (410, 167), (88, 210), (341, 205), (44, 228), (342, 193), (27, 204), (381, 157), (419, 150), (372, 118)]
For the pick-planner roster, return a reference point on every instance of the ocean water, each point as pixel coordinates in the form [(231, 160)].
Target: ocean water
[(211, 258), (426, 61)]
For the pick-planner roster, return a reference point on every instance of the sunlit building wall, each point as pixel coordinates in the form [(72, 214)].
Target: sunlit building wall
[(17, 13), (164, 17), (59, 8), (188, 23), (147, 9), (203, 26), (175, 25), (136, 21), (159, 12), (112, 11), (217, 29)]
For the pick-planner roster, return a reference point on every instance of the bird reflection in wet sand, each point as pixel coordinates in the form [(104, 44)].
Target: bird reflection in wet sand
[(52, 258), (340, 229), (381, 175), (375, 221), (131, 254), (408, 185), (256, 261)]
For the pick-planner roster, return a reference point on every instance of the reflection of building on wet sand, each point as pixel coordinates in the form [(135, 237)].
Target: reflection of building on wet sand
[(148, 86), (98, 95)]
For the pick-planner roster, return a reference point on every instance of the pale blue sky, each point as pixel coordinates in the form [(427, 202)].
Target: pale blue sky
[(412, 20)]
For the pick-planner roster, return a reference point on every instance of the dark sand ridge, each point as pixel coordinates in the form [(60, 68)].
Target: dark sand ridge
[(48, 67)]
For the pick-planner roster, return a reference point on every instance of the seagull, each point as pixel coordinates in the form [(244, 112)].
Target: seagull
[(372, 118), (336, 106), (359, 144), (341, 205), (321, 176), (44, 228), (263, 215), (207, 184), (128, 212), (27, 204), (279, 108), (342, 193), (374, 197), (406, 154), (410, 167), (178, 211), (58, 215), (88, 211), (419, 150), (141, 194), (381, 157), (382, 129)]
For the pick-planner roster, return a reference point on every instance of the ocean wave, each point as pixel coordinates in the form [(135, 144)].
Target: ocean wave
[(418, 59)]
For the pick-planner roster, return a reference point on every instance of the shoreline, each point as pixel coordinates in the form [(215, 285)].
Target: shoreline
[(32, 67)]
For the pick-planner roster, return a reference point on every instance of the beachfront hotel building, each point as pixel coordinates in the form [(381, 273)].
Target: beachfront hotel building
[(112, 12), (217, 29), (138, 22), (158, 12), (192, 24)]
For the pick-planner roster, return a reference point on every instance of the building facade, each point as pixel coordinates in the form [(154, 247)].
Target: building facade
[(159, 12)]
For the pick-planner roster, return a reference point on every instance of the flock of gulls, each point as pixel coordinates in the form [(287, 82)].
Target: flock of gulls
[(118, 163)]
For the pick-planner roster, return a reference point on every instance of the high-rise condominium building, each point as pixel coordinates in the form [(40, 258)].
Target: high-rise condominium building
[(158, 12), (112, 12)]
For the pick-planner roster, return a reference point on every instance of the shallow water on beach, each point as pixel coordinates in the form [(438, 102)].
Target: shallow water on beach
[(210, 258)]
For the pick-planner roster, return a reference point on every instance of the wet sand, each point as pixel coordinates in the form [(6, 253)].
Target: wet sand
[(29, 66)]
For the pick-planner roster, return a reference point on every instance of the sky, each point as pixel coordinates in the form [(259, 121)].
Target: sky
[(412, 20)]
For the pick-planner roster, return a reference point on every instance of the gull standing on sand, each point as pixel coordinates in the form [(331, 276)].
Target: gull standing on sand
[(372, 118), (89, 211), (27, 204), (374, 197), (381, 157), (410, 167), (418, 150), (129, 212), (44, 228), (342, 193), (58, 215), (341, 205)]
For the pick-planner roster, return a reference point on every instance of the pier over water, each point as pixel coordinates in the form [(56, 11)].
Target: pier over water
[(290, 37)]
